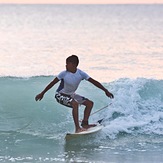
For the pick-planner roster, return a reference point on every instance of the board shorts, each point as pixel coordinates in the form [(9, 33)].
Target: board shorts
[(67, 99)]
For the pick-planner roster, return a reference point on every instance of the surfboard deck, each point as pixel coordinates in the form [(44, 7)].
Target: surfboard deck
[(90, 130)]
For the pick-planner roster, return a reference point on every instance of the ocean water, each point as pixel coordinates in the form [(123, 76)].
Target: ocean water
[(119, 45)]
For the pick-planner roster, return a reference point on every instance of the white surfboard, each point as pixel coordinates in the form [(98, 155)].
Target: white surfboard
[(90, 130)]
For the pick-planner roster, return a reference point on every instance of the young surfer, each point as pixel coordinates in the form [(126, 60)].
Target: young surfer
[(65, 94)]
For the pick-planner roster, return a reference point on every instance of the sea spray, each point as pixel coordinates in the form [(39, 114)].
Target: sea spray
[(137, 108)]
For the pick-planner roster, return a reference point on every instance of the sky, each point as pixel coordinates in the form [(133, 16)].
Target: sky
[(82, 1)]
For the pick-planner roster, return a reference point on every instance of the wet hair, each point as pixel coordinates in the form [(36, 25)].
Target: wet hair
[(73, 59)]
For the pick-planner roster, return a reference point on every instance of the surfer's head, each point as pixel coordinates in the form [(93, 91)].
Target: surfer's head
[(73, 59), (72, 63)]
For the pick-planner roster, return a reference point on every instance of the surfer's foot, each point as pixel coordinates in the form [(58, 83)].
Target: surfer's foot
[(80, 130), (86, 125), (89, 126)]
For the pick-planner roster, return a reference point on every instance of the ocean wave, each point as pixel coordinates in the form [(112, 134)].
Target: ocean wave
[(136, 109)]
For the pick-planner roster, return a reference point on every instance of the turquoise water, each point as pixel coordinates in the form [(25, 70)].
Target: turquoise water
[(119, 45), (34, 131)]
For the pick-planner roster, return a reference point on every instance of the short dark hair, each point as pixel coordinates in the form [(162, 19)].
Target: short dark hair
[(73, 59)]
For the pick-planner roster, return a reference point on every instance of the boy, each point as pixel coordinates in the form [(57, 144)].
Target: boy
[(65, 94)]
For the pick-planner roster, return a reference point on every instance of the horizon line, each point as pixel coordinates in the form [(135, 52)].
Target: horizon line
[(81, 3)]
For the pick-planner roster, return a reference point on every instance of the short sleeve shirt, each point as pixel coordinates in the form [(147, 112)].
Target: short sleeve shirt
[(70, 81)]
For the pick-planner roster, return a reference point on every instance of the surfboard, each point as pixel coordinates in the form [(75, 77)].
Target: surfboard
[(89, 131)]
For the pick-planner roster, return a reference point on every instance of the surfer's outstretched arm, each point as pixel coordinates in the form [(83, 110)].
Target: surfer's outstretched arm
[(99, 85), (50, 85)]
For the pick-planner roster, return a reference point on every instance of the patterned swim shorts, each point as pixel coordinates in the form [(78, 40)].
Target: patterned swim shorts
[(67, 99)]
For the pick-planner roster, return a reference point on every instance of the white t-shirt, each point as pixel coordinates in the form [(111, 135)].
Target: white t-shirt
[(70, 81)]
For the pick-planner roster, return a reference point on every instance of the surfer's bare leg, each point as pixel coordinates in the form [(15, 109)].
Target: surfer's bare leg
[(75, 115), (88, 107)]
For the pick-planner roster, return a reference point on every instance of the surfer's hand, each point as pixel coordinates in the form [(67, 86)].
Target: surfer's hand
[(109, 94), (39, 96)]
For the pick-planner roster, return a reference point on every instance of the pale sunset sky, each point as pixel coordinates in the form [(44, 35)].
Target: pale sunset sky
[(82, 1)]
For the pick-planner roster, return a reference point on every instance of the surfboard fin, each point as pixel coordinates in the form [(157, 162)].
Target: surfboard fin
[(100, 121)]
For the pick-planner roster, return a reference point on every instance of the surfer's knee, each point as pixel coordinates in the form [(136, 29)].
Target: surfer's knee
[(89, 103)]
